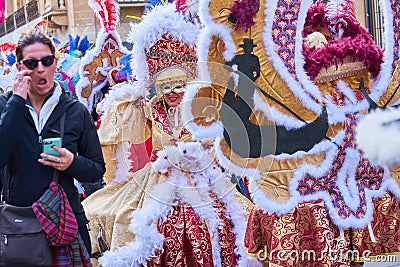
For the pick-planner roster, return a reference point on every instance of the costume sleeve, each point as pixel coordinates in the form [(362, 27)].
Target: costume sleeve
[(11, 112), (109, 152), (88, 165), (123, 121)]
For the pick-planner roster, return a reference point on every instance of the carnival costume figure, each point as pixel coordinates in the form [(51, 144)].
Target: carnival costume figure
[(319, 69), (141, 217)]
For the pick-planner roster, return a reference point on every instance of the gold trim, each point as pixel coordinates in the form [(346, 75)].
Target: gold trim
[(341, 71), (387, 98)]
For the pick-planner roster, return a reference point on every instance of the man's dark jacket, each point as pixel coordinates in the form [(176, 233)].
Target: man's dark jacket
[(23, 178)]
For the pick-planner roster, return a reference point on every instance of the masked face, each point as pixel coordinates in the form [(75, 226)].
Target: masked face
[(171, 80), (176, 87)]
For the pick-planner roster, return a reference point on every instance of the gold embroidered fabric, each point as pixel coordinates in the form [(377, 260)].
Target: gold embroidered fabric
[(306, 236), (386, 229), (303, 237), (112, 207), (124, 121), (392, 93), (187, 240), (275, 181), (110, 160)]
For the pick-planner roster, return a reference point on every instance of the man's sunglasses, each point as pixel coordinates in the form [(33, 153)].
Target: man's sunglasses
[(32, 63)]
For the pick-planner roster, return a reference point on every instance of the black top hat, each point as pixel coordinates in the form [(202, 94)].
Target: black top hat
[(247, 43)]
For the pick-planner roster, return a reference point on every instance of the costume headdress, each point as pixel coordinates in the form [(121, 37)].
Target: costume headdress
[(337, 47), (97, 62), (171, 63), (165, 40), (163, 45), (67, 73)]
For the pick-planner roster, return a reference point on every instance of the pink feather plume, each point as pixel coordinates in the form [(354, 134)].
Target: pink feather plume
[(107, 11), (181, 5), (244, 11)]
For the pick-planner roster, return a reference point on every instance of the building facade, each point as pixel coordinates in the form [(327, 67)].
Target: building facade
[(65, 17)]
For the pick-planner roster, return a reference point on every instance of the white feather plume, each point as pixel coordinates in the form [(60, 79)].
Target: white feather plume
[(378, 136)]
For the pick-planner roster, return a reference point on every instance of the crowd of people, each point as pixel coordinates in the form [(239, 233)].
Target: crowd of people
[(148, 174)]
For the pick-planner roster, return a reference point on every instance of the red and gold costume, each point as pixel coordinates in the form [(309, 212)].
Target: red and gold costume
[(130, 212), (313, 206), (188, 239), (133, 123)]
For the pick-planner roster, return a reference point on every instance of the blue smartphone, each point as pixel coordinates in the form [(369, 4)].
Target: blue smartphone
[(48, 144)]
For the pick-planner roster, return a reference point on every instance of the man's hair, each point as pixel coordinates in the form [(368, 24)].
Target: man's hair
[(31, 37)]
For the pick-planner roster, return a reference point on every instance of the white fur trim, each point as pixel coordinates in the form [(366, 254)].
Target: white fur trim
[(380, 142), (121, 156), (382, 81)]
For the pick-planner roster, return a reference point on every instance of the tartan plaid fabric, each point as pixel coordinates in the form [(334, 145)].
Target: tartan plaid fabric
[(59, 223)]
